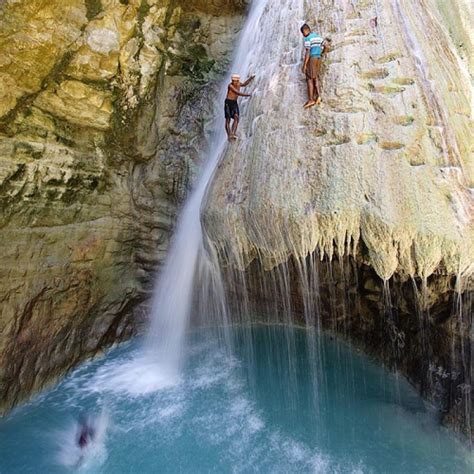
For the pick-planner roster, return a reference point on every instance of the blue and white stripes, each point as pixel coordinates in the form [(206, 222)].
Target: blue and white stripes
[(314, 43)]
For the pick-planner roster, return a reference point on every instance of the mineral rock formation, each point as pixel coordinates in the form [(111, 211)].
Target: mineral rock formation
[(99, 135), (385, 162), (382, 172), (103, 113)]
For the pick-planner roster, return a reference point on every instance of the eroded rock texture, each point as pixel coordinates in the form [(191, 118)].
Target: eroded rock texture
[(386, 160), (103, 109), (381, 173), (422, 330)]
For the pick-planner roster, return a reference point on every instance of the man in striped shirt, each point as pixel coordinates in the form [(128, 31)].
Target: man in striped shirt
[(314, 46)]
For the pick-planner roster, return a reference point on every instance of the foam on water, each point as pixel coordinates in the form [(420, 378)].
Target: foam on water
[(136, 377), (68, 452), (230, 414)]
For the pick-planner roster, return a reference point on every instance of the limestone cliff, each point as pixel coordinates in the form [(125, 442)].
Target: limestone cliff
[(382, 169), (103, 113), (376, 183), (103, 109)]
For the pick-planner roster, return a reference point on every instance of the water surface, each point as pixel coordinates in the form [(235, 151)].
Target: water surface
[(265, 409)]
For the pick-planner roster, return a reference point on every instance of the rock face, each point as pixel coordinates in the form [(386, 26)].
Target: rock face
[(381, 173), (386, 160), (103, 109), (421, 330)]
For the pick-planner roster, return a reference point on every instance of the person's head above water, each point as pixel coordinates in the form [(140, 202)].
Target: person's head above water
[(235, 78), (305, 29)]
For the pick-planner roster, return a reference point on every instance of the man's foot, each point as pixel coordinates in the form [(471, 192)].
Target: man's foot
[(233, 137), (318, 100), (309, 104)]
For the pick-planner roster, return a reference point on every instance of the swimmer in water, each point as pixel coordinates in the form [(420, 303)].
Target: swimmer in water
[(86, 433)]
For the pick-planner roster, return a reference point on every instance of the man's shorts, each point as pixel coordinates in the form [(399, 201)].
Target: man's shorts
[(314, 66), (231, 108)]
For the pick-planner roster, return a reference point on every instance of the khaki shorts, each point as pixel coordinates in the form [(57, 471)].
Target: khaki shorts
[(314, 66)]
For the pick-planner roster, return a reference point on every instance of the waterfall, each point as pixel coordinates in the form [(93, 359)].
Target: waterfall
[(239, 201), (189, 267)]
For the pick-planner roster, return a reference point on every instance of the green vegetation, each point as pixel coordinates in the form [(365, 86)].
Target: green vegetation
[(94, 7), (388, 58), (403, 81), (391, 145), (365, 138), (374, 74)]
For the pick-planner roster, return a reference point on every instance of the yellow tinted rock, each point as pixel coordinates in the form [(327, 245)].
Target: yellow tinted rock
[(66, 180), (34, 36), (103, 38), (77, 103)]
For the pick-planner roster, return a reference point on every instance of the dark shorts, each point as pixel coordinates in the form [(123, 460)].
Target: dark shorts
[(231, 109), (314, 67)]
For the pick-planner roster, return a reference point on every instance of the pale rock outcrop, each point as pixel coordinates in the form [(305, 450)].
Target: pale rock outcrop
[(383, 169), (357, 215), (78, 103)]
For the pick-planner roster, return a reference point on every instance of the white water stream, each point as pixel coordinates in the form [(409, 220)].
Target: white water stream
[(187, 266)]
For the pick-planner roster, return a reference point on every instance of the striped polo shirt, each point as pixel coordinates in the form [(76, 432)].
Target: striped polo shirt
[(314, 43)]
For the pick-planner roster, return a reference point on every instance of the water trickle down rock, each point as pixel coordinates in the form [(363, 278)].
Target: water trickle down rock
[(378, 179), (386, 160)]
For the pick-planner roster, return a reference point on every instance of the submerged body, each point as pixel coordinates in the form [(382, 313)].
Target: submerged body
[(86, 434)]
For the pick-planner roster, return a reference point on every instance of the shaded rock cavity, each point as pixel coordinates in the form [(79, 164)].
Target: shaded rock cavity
[(378, 177), (421, 329)]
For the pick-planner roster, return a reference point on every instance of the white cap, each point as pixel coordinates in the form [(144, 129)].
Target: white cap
[(235, 77)]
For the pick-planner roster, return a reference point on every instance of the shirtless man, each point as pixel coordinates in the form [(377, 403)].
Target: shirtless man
[(231, 107)]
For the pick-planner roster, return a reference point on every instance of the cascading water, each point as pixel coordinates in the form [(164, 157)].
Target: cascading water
[(289, 399), (189, 266)]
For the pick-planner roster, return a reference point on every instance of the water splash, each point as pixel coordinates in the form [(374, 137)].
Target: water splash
[(70, 454)]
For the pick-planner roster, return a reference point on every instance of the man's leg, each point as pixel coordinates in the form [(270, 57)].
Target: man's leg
[(311, 100), (235, 125), (317, 88), (310, 89), (227, 128)]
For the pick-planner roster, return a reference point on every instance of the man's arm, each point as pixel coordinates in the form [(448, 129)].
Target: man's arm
[(248, 81), (306, 61), (326, 45), (235, 91)]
